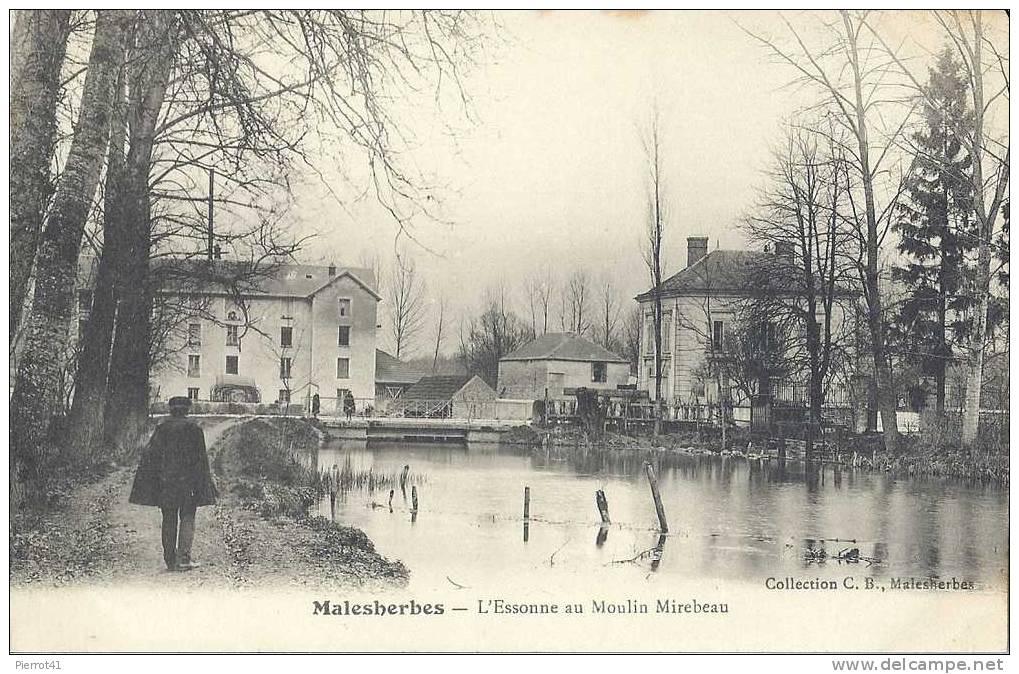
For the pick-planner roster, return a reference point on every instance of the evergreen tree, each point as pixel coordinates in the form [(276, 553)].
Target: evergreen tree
[(936, 228)]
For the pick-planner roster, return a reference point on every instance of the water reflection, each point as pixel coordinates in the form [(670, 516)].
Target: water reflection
[(732, 518)]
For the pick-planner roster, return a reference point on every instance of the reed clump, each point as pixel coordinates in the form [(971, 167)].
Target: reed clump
[(336, 479)]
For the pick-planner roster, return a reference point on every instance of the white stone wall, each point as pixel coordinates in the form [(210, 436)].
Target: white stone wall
[(687, 343), (315, 324), (528, 379)]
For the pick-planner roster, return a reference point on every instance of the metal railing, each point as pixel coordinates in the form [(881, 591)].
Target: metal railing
[(835, 396), (370, 408)]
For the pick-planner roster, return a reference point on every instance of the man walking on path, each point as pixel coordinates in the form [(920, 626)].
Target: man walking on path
[(174, 475)]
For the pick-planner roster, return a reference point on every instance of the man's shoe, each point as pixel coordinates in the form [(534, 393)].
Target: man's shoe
[(188, 565)]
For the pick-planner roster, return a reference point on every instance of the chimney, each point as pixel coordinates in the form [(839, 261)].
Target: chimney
[(696, 248), (332, 269)]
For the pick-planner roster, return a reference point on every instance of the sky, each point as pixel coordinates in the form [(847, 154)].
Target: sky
[(550, 171)]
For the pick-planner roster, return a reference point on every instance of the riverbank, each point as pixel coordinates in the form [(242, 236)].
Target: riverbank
[(88, 533), (915, 458), (258, 464)]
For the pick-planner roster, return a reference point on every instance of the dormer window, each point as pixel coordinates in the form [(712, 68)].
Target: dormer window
[(344, 308), (232, 316)]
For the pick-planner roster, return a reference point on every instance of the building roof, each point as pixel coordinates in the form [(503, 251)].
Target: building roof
[(720, 271), (734, 272), (436, 387), (391, 370), (253, 278), (563, 346)]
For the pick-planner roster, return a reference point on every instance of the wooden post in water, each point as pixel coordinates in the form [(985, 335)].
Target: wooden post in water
[(403, 478), (414, 499), (653, 481), (659, 550), (527, 503), (603, 506), (391, 492)]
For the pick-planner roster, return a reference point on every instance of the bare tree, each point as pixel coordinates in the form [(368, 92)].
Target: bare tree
[(440, 325), (371, 261), (700, 317), (284, 356), (803, 290), (860, 95), (532, 302), (38, 44), (609, 309), (985, 64), (485, 339), (91, 377), (577, 296), (630, 339), (539, 288), (246, 91), (657, 215), (405, 295), (47, 325), (756, 352), (148, 76), (990, 163)]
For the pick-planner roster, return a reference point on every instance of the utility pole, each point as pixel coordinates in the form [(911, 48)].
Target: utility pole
[(212, 188)]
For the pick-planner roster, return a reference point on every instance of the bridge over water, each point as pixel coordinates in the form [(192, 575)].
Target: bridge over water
[(411, 429)]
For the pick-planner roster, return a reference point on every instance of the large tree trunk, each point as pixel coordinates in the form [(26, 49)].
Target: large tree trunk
[(975, 371), (47, 333), (986, 216), (944, 353), (37, 52), (127, 405), (90, 383), (815, 383), (875, 318)]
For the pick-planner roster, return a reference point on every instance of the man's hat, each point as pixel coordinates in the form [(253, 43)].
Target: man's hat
[(180, 401)]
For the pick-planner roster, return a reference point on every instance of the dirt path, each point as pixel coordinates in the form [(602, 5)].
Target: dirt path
[(136, 548), (100, 538)]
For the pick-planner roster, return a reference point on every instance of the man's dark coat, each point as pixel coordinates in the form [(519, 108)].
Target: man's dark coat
[(174, 470)]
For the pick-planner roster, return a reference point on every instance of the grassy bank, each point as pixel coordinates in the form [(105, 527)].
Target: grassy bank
[(257, 463)]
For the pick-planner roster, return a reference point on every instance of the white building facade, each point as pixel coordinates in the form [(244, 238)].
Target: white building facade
[(700, 307), (307, 330)]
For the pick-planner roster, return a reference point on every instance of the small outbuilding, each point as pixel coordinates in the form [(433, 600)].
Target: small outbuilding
[(392, 378), (557, 361), (461, 396)]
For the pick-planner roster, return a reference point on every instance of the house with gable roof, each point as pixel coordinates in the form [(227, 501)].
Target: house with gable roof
[(700, 310), (557, 361), (299, 331), (462, 396)]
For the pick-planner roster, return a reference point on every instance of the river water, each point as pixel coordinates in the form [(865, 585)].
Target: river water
[(731, 520)]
